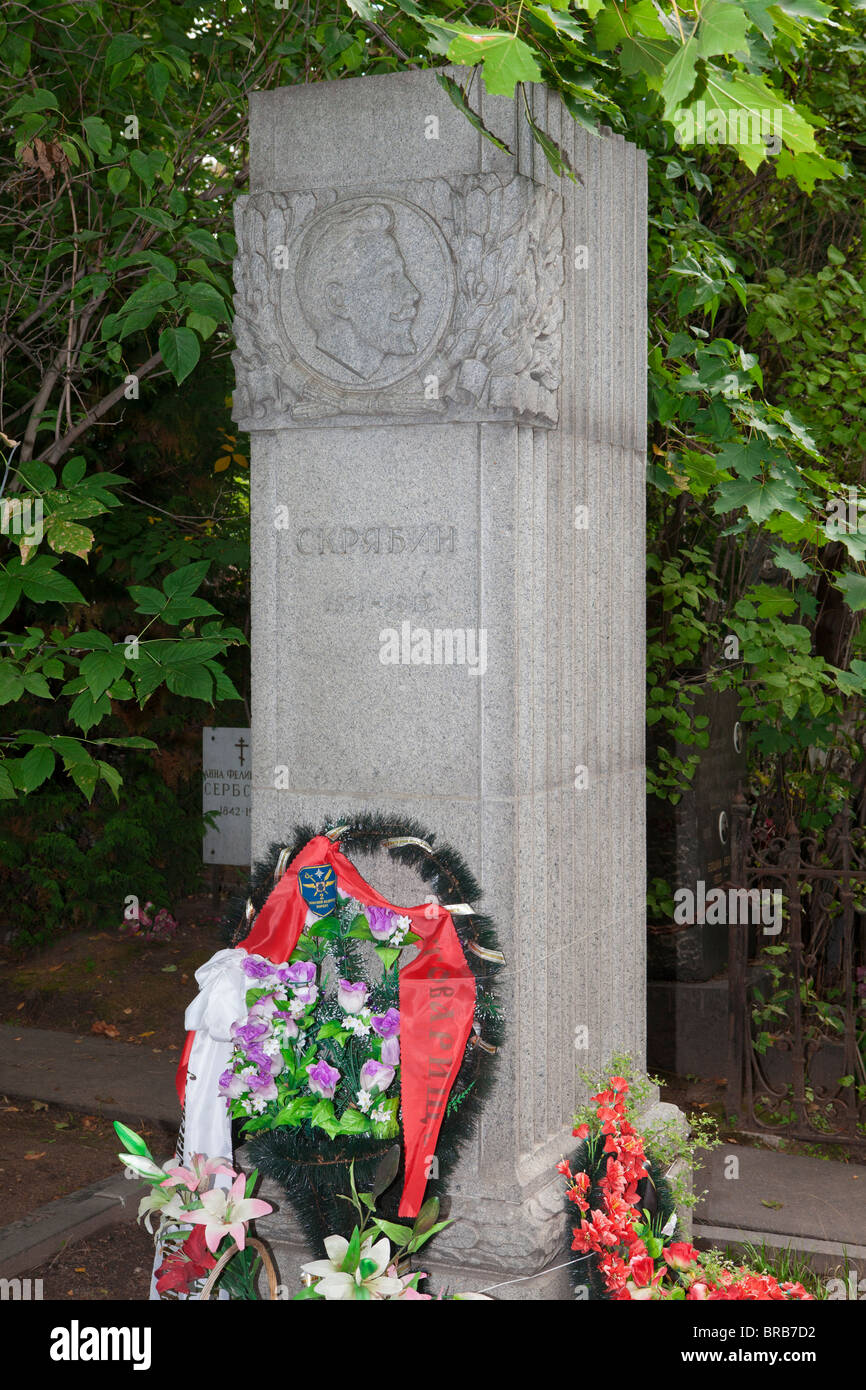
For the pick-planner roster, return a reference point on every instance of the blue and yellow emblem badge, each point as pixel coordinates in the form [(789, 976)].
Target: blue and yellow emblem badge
[(318, 885)]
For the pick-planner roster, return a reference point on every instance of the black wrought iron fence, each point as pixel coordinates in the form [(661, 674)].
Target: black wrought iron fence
[(797, 981)]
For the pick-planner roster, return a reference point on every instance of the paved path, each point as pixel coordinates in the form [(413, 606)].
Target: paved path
[(98, 1075), (817, 1207), (780, 1199)]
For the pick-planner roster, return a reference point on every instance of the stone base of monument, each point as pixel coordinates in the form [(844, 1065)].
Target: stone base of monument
[(524, 1228)]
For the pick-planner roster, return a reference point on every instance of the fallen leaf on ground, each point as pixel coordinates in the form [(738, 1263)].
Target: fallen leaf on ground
[(148, 1034), (52, 968), (39, 1104), (771, 1204), (127, 1011), (42, 1155), (108, 1029), (17, 1007)]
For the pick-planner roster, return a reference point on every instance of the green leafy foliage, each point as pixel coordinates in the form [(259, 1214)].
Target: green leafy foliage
[(64, 865)]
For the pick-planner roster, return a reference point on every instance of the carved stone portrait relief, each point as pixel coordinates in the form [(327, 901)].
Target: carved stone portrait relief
[(440, 299), (371, 293)]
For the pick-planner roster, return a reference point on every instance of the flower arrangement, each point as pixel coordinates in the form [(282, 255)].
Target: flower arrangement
[(198, 1221), (149, 925), (364, 1268), (624, 1238), (321, 1049)]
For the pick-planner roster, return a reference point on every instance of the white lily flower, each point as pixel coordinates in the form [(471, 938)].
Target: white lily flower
[(335, 1284)]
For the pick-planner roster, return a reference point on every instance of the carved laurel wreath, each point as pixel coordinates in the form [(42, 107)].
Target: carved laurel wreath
[(499, 356)]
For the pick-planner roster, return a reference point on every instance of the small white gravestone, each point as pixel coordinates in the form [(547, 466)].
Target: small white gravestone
[(226, 782)]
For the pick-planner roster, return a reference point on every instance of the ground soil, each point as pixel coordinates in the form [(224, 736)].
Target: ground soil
[(93, 982), (47, 1152), (699, 1096), (100, 981), (116, 1263)]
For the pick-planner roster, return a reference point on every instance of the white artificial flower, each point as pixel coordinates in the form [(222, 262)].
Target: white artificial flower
[(380, 1115), (333, 1283), (365, 1100)]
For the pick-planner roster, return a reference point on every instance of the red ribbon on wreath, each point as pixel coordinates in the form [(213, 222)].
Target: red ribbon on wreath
[(437, 1001)]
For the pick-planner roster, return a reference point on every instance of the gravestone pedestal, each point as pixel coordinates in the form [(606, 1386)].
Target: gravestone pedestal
[(441, 362)]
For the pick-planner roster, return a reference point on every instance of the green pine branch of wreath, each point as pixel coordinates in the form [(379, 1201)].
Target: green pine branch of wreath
[(313, 1173)]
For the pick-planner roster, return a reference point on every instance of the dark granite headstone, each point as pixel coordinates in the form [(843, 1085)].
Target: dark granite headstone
[(689, 843)]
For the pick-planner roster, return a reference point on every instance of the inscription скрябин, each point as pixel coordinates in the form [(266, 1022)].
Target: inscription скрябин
[(429, 539)]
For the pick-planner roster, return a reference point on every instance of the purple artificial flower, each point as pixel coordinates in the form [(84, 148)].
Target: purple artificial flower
[(323, 1079), (248, 1032), (232, 1085), (257, 969), (263, 1087), (381, 921), (391, 1052), (263, 1008), (351, 998), (375, 1074), (387, 1025), (306, 994), (301, 972), (259, 1058)]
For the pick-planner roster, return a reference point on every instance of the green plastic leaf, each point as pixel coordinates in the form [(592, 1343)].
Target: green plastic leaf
[(144, 1166), (386, 1171), (132, 1142), (353, 1253), (353, 1122), (398, 1235), (326, 927), (323, 1117)]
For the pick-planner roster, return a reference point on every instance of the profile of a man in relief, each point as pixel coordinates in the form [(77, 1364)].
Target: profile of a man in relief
[(355, 292)]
